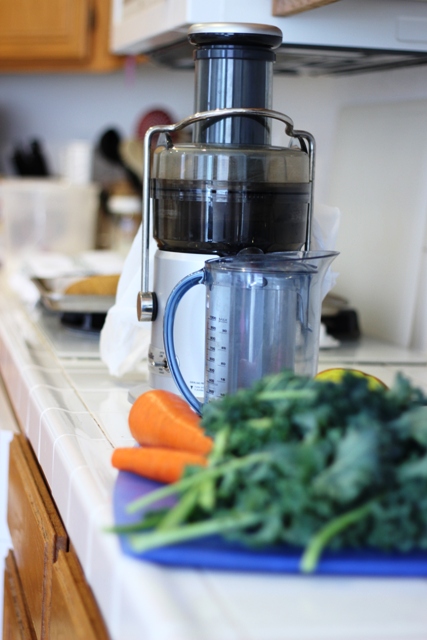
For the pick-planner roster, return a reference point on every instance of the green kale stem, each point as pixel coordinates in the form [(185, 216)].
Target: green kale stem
[(318, 542), (260, 423), (125, 528), (161, 538), (196, 478), (148, 522), (180, 511), (286, 394)]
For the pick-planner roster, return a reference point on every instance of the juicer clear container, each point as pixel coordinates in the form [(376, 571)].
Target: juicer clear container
[(221, 199)]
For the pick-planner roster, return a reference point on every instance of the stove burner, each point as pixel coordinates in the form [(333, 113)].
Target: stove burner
[(88, 322)]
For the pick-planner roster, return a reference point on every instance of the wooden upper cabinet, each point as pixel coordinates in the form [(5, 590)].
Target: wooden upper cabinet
[(49, 29), (56, 35), (290, 7)]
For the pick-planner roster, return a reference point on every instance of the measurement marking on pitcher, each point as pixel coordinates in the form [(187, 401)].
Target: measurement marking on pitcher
[(217, 355)]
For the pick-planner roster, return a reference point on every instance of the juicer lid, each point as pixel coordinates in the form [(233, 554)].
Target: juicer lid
[(287, 262), (235, 33), (230, 163)]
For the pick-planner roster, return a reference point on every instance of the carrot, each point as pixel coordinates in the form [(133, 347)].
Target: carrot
[(161, 418), (163, 465)]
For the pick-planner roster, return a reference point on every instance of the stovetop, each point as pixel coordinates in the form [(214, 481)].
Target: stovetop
[(67, 342)]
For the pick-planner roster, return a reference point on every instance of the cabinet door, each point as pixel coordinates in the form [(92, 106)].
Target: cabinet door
[(290, 7), (39, 48), (74, 613), (36, 531), (44, 29), (17, 624)]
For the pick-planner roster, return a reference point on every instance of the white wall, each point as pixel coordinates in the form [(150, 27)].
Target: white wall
[(314, 104), (57, 108)]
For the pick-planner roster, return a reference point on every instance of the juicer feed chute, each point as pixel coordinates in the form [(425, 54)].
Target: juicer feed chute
[(230, 189)]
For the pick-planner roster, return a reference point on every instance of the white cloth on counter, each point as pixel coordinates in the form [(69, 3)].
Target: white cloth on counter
[(324, 232), (125, 341)]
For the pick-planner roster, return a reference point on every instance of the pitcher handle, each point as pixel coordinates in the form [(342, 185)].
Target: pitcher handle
[(198, 277)]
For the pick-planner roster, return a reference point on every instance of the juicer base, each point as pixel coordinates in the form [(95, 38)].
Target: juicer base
[(169, 269)]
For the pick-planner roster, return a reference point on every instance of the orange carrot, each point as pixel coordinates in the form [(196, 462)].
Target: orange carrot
[(163, 419), (163, 465)]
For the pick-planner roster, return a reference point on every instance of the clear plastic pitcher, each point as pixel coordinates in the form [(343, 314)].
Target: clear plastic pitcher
[(263, 315)]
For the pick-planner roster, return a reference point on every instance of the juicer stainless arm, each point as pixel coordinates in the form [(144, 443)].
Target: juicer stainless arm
[(311, 149), (147, 303)]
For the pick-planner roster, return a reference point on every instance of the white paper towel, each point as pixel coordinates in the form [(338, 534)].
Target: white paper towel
[(124, 340), (324, 232)]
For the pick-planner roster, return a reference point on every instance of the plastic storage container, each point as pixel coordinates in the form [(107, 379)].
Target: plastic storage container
[(47, 215), (126, 214)]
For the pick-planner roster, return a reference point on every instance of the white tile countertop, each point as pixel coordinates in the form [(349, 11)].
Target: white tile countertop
[(74, 414)]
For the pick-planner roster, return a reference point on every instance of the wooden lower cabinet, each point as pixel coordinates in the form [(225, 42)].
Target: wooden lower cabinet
[(46, 594), (36, 530), (17, 624), (74, 614)]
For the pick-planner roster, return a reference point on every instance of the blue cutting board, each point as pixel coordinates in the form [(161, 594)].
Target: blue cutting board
[(214, 553)]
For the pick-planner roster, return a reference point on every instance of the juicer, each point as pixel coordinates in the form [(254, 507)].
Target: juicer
[(229, 191)]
